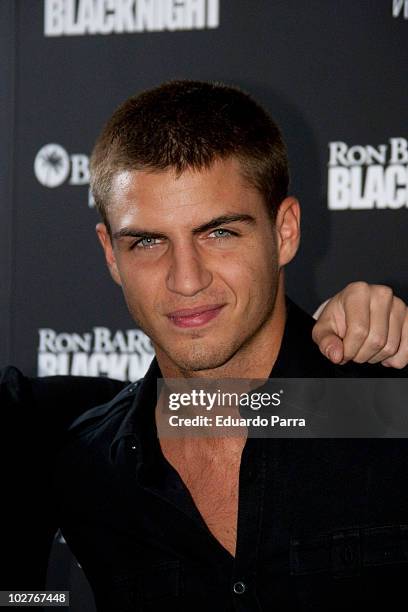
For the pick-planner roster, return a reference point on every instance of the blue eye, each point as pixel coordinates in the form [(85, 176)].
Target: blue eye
[(222, 233), (146, 243)]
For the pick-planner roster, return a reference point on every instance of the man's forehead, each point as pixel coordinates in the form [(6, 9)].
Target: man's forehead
[(135, 185), (221, 172), (192, 193)]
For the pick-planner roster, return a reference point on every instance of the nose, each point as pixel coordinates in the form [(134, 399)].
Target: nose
[(188, 274)]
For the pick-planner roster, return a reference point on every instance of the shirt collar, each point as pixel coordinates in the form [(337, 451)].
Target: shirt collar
[(139, 424)]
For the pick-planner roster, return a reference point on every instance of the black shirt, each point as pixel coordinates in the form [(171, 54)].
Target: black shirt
[(322, 523)]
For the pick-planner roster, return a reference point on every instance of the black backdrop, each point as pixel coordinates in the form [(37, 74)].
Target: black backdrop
[(332, 73)]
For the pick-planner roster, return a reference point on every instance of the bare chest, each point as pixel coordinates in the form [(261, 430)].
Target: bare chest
[(213, 483)]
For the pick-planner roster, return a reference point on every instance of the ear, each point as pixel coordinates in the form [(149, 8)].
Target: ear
[(288, 230), (105, 240)]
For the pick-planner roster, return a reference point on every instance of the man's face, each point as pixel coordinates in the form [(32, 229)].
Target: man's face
[(197, 258)]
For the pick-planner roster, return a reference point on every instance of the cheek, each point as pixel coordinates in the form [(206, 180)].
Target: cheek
[(251, 277), (140, 288)]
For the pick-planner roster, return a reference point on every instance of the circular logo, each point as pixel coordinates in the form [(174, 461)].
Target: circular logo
[(51, 165)]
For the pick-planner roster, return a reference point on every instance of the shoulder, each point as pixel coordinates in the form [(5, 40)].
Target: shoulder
[(110, 413), (84, 391), (85, 454), (51, 403)]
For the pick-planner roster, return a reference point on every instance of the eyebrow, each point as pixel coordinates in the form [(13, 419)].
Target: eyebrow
[(134, 232)]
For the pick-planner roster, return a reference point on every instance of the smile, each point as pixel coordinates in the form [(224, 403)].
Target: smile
[(195, 317)]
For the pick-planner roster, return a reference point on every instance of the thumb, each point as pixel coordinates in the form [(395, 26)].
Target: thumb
[(330, 345)]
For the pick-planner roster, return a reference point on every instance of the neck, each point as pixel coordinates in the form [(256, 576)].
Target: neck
[(253, 360)]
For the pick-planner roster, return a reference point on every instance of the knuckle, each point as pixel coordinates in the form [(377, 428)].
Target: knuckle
[(358, 286), (377, 341), (383, 291), (399, 303), (359, 332)]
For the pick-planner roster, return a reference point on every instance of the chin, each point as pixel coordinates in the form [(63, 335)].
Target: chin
[(201, 359)]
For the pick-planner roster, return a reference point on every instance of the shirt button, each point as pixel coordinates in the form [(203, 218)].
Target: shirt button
[(239, 588)]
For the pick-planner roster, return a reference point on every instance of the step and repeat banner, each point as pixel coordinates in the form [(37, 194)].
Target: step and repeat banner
[(332, 74)]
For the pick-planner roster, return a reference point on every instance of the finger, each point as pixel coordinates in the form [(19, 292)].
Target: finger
[(397, 317), (400, 359), (357, 317), (380, 311), (334, 348), (327, 330), (329, 344), (330, 320)]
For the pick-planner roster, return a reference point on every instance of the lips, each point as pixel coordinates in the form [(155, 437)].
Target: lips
[(195, 317)]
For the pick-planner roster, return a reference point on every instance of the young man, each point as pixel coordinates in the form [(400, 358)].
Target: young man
[(191, 181)]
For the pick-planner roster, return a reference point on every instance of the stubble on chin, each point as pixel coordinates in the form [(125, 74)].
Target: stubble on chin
[(196, 358)]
